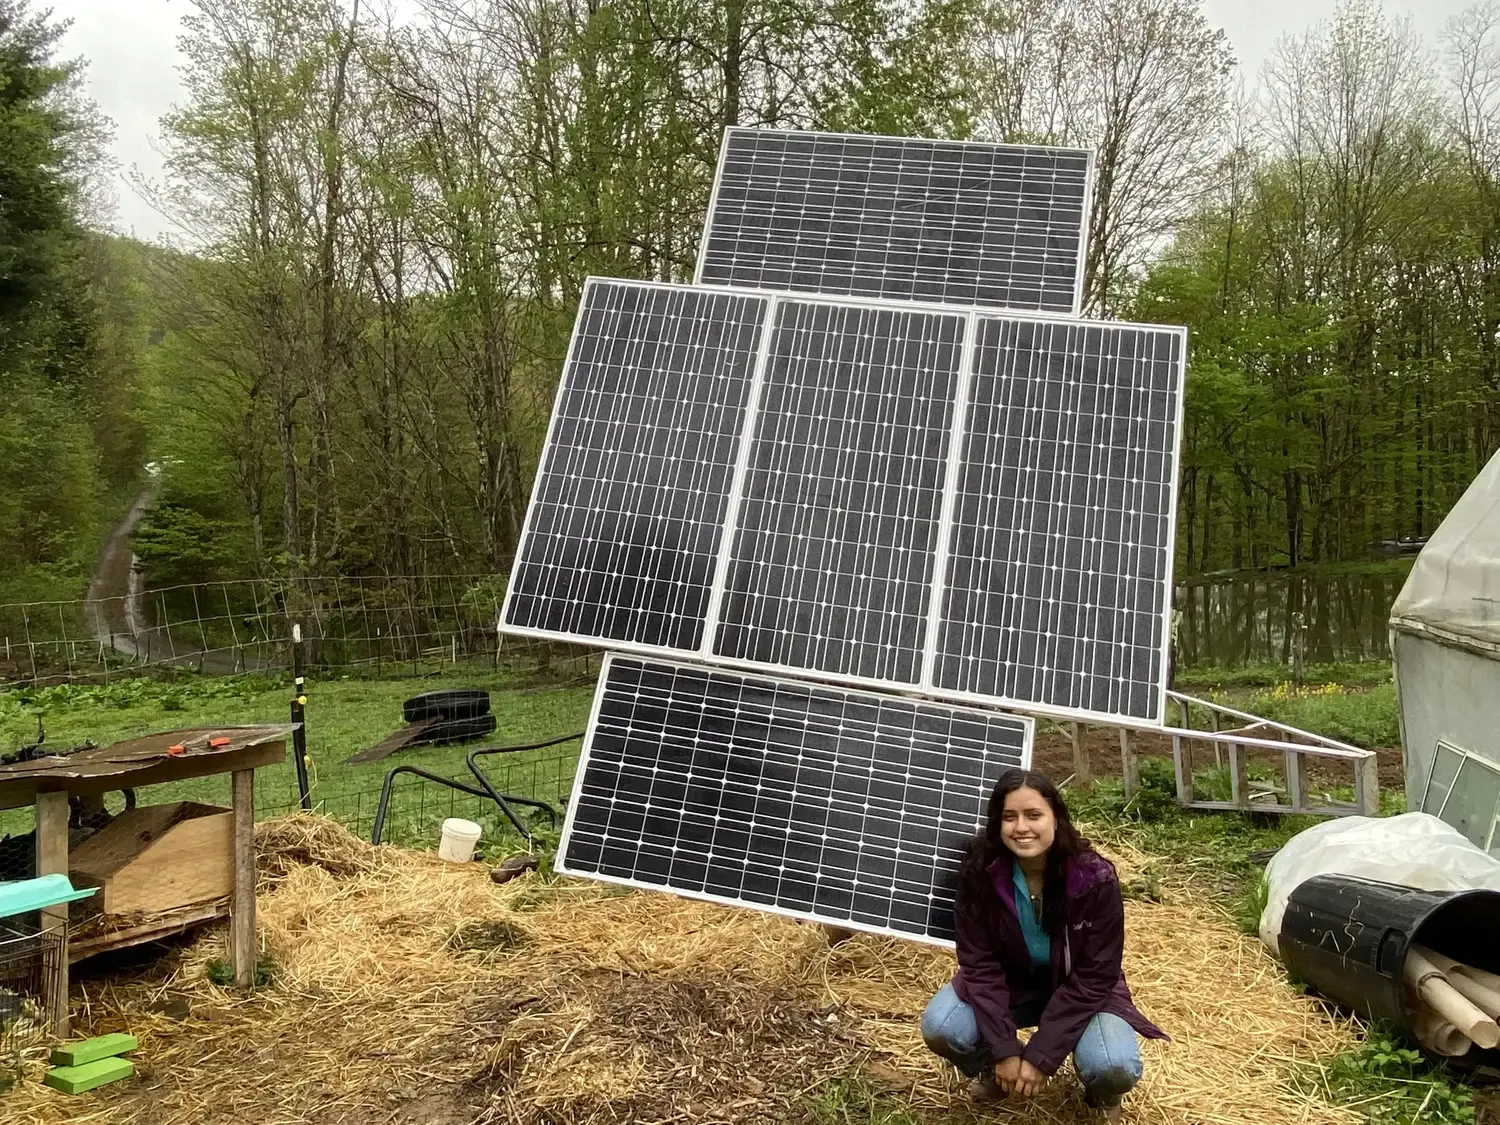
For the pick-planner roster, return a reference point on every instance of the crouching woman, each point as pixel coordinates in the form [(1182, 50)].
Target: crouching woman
[(1041, 931)]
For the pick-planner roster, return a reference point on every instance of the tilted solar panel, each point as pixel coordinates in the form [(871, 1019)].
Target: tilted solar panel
[(951, 222), (831, 568), (623, 532), (976, 505), (797, 798), (1058, 583)]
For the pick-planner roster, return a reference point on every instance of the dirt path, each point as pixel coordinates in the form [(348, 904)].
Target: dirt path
[(116, 605), (114, 590)]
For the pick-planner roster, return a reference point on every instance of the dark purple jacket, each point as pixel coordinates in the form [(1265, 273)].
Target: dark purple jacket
[(995, 973)]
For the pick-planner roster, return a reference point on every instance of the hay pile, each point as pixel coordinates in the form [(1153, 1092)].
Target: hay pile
[(414, 992)]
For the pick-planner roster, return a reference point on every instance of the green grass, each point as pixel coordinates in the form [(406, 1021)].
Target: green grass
[(1195, 680), (1391, 1083), (855, 1100), (344, 714)]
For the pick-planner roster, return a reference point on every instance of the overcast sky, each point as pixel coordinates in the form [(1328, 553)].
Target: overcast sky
[(131, 47)]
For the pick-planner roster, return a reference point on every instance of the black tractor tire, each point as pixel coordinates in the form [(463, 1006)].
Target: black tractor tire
[(457, 730), (455, 703)]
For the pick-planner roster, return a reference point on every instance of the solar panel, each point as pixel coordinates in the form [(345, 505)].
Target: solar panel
[(941, 221), (975, 505), (796, 798), (1060, 562), (831, 568), (622, 536)]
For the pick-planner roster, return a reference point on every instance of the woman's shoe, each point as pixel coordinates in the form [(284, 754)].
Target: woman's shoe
[(985, 1089), (1103, 1112)]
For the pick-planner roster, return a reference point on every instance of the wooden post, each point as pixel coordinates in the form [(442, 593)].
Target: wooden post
[(1296, 781), (242, 903), (52, 859), (1239, 776), (1367, 785), (1130, 764), (1083, 771), (1182, 761)]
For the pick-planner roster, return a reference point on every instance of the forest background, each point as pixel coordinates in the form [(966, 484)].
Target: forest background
[(344, 363)]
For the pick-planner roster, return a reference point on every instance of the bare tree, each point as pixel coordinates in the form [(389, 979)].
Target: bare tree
[(1144, 83)]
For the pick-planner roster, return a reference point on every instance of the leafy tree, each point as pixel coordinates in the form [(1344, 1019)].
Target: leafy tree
[(50, 478)]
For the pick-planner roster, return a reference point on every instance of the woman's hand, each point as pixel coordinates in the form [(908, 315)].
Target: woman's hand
[(1008, 1072), (1029, 1080)]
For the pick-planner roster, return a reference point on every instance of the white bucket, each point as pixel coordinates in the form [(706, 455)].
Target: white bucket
[(459, 838)]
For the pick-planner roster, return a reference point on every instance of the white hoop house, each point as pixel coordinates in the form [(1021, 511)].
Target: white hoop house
[(1445, 637)]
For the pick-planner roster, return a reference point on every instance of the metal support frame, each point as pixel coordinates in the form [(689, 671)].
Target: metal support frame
[(1254, 733)]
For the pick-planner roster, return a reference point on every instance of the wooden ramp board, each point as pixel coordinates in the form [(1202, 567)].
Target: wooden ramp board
[(397, 741), (92, 1050), (77, 1079)]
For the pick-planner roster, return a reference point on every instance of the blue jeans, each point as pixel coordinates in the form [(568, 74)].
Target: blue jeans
[(1107, 1057)]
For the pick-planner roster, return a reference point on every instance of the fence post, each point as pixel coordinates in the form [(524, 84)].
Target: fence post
[(299, 716), (30, 648), (166, 624)]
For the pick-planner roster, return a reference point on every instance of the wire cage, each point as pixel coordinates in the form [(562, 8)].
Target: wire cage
[(32, 957)]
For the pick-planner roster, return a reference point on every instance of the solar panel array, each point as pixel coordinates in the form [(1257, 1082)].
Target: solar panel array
[(977, 505), (865, 449), (805, 799), (941, 221)]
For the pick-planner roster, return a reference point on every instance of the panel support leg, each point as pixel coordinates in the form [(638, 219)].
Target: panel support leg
[(1083, 770), (1182, 762), (1130, 765)]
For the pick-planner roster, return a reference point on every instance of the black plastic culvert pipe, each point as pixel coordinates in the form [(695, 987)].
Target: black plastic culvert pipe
[(1348, 938)]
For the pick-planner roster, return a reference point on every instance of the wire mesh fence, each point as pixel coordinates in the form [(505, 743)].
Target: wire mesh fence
[(392, 625), (416, 806)]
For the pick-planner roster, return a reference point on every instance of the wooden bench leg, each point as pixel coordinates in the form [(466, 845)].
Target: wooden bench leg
[(52, 859), (242, 903)]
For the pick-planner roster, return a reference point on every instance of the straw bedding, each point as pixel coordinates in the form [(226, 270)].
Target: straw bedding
[(413, 992)]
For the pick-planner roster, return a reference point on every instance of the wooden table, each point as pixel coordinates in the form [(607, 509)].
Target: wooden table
[(48, 782)]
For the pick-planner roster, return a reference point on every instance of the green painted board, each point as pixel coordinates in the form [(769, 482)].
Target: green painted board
[(25, 895), (77, 1079), (92, 1050)]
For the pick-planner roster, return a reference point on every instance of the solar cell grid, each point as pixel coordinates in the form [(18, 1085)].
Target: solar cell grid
[(1059, 567), (626, 517), (943, 221), (973, 504), (822, 802), (832, 558)]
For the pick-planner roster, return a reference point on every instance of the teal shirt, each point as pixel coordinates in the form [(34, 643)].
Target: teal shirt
[(1037, 941)]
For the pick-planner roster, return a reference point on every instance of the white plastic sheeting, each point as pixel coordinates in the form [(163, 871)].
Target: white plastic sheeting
[(1453, 591), (1413, 850)]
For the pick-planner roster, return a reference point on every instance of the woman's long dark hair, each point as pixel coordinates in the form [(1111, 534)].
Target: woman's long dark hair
[(975, 895)]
